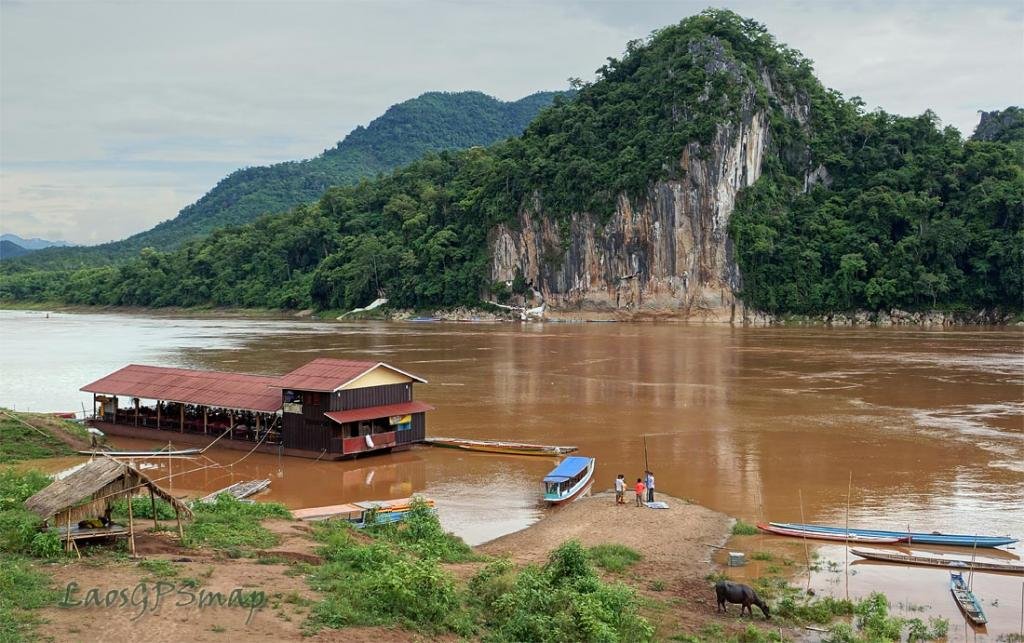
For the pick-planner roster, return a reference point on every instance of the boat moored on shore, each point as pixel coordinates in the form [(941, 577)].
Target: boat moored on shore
[(921, 538), (568, 481)]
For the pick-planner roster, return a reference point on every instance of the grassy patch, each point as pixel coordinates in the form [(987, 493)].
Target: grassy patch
[(232, 525), (159, 567), (743, 529), (29, 436), (762, 555), (613, 557), (22, 588)]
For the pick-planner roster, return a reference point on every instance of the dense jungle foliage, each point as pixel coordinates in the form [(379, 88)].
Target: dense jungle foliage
[(901, 213), (434, 121)]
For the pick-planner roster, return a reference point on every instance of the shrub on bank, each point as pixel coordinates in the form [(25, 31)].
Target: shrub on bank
[(562, 601), (228, 523), (420, 532)]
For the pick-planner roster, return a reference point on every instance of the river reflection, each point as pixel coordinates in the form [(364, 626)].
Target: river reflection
[(757, 423)]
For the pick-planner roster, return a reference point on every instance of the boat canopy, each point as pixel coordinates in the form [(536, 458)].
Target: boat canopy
[(567, 468)]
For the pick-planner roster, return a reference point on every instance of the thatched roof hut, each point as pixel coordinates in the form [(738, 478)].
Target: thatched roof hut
[(91, 490)]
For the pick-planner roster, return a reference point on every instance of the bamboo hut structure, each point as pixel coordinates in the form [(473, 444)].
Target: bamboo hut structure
[(90, 492)]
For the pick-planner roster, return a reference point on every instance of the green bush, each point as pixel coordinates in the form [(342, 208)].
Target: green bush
[(562, 601), (744, 529), (613, 557), (142, 507), (420, 531), (373, 584), (46, 545)]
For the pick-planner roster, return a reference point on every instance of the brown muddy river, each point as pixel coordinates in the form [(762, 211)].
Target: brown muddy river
[(757, 423)]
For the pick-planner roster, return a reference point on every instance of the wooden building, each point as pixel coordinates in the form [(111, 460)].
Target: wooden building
[(326, 409)]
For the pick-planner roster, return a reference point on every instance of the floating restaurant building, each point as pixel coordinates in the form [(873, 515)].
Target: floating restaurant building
[(328, 409)]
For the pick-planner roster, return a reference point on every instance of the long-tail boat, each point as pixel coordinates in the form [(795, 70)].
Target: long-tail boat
[(569, 480), (500, 446), (935, 561), (965, 598), (921, 538), (852, 536)]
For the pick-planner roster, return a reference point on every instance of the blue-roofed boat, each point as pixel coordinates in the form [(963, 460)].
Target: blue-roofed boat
[(921, 538), (569, 480), (965, 598)]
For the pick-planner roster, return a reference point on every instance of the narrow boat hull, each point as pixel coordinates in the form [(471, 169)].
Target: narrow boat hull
[(966, 600), (921, 538), (931, 561), (505, 448), (853, 537)]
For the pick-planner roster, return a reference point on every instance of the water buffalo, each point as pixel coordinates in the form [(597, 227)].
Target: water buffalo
[(745, 595)]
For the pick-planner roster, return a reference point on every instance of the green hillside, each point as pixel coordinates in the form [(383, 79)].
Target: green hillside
[(912, 216), (434, 121)]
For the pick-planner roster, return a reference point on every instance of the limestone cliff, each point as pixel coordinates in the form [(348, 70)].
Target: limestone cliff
[(667, 253)]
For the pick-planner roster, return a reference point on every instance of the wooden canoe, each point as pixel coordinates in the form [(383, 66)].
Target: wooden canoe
[(965, 598), (935, 561), (914, 537), (499, 446), (852, 536), (355, 511)]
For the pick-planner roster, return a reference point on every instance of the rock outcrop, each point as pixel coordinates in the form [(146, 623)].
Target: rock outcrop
[(666, 254)]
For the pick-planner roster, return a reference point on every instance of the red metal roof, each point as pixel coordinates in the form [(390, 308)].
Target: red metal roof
[(326, 374), (374, 412), (207, 388)]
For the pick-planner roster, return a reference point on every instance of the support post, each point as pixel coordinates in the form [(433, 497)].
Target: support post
[(258, 426), (136, 411), (159, 405), (206, 430), (67, 546), (181, 424), (177, 514), (231, 425), (131, 526), (152, 502)]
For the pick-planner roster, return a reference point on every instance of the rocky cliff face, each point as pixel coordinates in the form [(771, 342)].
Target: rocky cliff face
[(667, 254)]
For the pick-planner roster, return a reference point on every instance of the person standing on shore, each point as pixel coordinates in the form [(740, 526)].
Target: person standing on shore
[(620, 489), (639, 492), (649, 483)]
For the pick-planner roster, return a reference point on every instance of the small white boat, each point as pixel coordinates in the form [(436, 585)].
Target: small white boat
[(570, 480)]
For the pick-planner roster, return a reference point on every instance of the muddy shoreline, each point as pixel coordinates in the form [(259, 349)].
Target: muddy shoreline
[(850, 319)]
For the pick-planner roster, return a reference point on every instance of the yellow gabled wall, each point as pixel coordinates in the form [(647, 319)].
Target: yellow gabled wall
[(379, 376)]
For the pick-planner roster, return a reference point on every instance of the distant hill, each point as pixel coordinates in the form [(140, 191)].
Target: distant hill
[(32, 244), (10, 250), (434, 121)]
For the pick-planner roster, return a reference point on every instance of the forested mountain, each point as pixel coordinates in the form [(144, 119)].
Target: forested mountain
[(10, 250), (434, 121), (708, 169)]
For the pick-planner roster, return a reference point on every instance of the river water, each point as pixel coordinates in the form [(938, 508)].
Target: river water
[(919, 428)]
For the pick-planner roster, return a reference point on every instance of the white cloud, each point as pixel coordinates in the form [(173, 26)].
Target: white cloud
[(175, 94)]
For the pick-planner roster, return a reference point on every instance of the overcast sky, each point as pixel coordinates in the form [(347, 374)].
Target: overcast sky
[(113, 116)]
